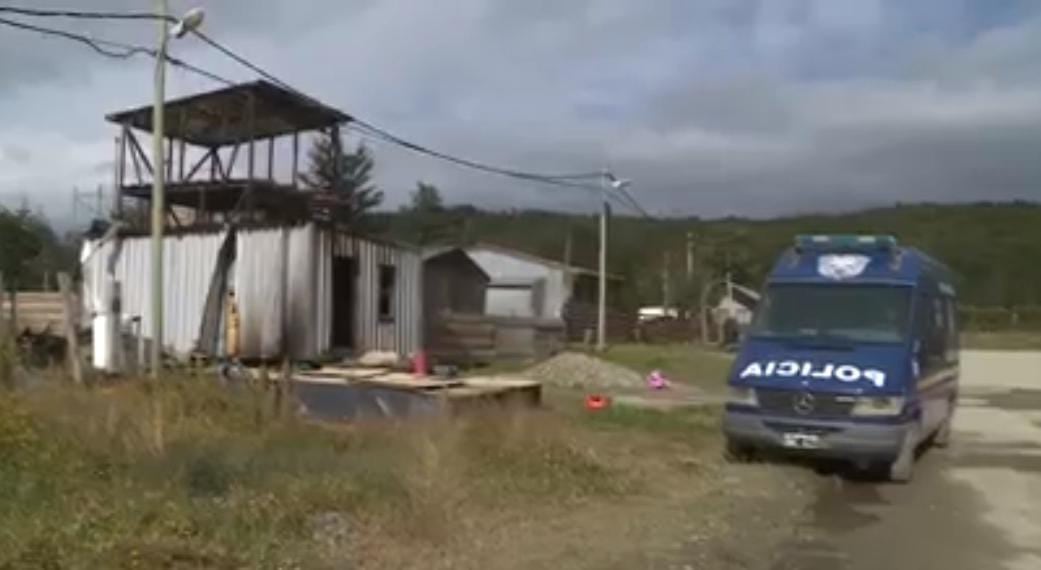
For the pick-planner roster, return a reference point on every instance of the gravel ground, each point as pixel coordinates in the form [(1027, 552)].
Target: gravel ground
[(577, 370)]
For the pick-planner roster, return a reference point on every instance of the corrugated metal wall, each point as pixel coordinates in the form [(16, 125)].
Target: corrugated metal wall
[(187, 271), (402, 333), (267, 295)]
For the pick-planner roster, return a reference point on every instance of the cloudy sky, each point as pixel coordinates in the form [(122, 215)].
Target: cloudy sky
[(712, 107)]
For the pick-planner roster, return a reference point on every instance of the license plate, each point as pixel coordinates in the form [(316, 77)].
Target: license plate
[(801, 440)]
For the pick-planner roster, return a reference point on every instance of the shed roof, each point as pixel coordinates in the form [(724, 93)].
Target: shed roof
[(446, 252), (573, 269), (221, 117)]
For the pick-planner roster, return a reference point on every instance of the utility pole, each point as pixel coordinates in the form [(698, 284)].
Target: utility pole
[(158, 198), (666, 292), (601, 315), (567, 248), (690, 257)]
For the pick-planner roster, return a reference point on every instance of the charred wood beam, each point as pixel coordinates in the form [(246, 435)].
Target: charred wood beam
[(198, 165), (139, 154), (227, 174), (271, 158), (296, 157)]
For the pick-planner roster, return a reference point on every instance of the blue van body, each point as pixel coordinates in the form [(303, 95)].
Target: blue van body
[(853, 354)]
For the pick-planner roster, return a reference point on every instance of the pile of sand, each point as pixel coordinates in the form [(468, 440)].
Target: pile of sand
[(577, 370)]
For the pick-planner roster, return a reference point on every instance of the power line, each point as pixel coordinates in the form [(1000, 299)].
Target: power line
[(97, 45), (126, 50), (561, 180), (83, 15)]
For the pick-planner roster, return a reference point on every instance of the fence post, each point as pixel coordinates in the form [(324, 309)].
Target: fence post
[(71, 333)]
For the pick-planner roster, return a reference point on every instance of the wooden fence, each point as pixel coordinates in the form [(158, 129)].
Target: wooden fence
[(37, 312), (581, 323), (481, 339)]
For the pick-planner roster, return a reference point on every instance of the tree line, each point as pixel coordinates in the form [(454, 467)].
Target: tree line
[(992, 247)]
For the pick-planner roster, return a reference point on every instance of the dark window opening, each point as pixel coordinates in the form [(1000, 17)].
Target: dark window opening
[(387, 284)]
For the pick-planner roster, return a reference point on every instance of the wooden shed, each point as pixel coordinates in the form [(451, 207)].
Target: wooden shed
[(453, 283)]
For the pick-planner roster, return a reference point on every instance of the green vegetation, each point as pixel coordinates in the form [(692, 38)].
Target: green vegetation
[(689, 364), (186, 475), (1003, 340), (990, 246), (30, 252), (346, 175)]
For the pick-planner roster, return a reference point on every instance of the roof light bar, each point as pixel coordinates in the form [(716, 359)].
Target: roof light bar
[(845, 243)]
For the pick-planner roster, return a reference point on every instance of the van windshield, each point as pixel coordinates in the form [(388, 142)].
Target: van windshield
[(866, 313)]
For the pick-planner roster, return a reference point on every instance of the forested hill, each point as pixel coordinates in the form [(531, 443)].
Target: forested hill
[(994, 248)]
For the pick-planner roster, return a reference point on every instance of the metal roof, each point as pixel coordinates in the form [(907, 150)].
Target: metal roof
[(221, 117), (573, 269)]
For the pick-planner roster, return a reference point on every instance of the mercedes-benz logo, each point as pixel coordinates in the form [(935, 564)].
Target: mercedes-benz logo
[(803, 403)]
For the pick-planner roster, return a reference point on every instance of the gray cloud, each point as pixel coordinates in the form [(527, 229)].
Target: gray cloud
[(718, 107)]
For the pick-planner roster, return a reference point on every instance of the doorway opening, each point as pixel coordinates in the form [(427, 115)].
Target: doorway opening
[(344, 293)]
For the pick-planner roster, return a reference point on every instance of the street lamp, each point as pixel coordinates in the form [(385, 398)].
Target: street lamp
[(191, 20), (606, 179)]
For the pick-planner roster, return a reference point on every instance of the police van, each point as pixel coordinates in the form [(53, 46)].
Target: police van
[(852, 354)]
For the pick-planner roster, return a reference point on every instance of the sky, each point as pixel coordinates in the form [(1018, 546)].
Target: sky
[(712, 107)]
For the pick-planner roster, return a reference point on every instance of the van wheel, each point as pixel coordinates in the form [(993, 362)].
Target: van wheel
[(902, 469), (942, 437)]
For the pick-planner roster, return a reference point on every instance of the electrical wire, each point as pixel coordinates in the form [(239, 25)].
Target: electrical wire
[(126, 50), (98, 45), (83, 15), (389, 137), (561, 180)]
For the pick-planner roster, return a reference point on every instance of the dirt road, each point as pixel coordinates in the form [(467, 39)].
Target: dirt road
[(974, 506)]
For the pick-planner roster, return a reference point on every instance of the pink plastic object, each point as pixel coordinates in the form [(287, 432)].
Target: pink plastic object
[(657, 381), (419, 364)]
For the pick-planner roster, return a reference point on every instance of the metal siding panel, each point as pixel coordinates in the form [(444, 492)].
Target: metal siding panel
[(189, 262), (258, 289), (302, 260)]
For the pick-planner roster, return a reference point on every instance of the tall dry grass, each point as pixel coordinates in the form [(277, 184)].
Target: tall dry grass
[(189, 475)]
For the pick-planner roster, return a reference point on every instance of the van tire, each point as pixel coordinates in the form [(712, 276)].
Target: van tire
[(901, 469), (942, 437)]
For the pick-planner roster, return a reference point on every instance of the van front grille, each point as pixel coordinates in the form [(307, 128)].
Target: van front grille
[(804, 404)]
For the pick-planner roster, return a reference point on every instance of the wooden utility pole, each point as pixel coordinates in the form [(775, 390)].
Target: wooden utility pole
[(567, 248), (72, 344), (666, 286), (690, 257)]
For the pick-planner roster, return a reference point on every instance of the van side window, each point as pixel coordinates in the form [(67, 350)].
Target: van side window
[(932, 332)]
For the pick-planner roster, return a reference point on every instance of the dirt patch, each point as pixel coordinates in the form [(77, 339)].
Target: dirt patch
[(576, 370)]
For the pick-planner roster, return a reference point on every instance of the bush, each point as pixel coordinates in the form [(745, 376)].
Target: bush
[(993, 319)]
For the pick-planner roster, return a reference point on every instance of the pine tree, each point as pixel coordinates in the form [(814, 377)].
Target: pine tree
[(345, 177)]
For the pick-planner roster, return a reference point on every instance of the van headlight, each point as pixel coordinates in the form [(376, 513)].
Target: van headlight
[(742, 396), (878, 406)]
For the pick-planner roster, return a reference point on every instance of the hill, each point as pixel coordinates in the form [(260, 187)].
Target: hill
[(994, 248)]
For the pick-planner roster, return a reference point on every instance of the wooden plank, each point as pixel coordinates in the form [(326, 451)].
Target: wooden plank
[(409, 381), (71, 334), (352, 372)]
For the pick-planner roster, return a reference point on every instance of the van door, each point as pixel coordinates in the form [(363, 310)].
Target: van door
[(937, 358)]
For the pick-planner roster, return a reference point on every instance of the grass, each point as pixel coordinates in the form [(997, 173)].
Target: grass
[(1003, 340), (187, 475), (694, 365)]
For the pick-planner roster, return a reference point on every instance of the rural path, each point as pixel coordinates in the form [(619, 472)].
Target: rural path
[(976, 505)]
